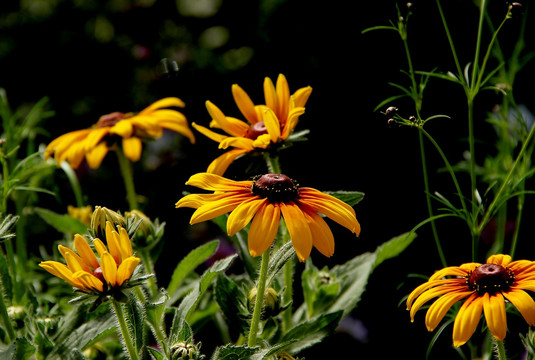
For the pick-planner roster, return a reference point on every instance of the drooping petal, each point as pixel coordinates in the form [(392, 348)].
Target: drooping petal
[(467, 319), (263, 228), (126, 268), (494, 309), (298, 229), (440, 307), (292, 121), (132, 148), (322, 236), (109, 268), (242, 214), (237, 142), (433, 293), (301, 96), (523, 302), (197, 200), (426, 286), (81, 263), (163, 103), (112, 239), (123, 128), (95, 156), (209, 133)]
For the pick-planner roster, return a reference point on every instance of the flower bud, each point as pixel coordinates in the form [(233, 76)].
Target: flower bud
[(391, 111), (99, 218), (16, 312), (515, 10), (186, 351), (271, 305)]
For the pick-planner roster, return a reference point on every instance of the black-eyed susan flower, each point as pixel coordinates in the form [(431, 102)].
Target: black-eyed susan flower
[(103, 274), (262, 202), (265, 125), (130, 129), (485, 288)]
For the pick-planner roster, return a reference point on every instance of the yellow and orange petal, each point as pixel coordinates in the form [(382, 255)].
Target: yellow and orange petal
[(94, 143), (484, 289), (256, 203)]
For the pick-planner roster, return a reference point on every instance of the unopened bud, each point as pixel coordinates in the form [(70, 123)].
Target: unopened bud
[(391, 111), (271, 305), (99, 218), (186, 351), (516, 10)]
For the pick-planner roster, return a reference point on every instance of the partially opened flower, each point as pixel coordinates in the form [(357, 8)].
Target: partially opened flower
[(262, 202), (485, 288), (85, 271), (129, 129), (265, 125)]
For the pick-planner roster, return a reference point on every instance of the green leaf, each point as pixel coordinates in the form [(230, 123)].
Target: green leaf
[(189, 303), (310, 332), (155, 354), (63, 223), (229, 295), (393, 247), (20, 349), (349, 197), (190, 262), (232, 352), (277, 261)]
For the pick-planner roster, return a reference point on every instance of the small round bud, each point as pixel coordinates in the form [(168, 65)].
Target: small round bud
[(412, 118), (16, 312), (99, 218), (185, 351), (391, 111), (271, 306), (391, 122), (516, 10)]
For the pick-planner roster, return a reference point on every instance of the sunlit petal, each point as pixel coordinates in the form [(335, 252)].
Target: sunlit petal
[(126, 268), (467, 319), (263, 229), (298, 229)]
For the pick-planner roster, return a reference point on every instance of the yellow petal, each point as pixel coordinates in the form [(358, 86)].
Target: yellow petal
[(95, 156), (109, 268), (499, 259), (64, 250), (272, 125), (100, 247), (270, 95), (222, 162), (85, 252), (298, 229), (230, 126), (89, 281), (179, 128), (523, 302), (322, 236), (209, 133), (215, 182), (125, 245), (132, 148), (440, 307), (237, 142), (242, 214), (292, 121), (95, 137), (73, 261), (300, 97), (245, 104), (112, 239), (262, 141), (123, 128), (263, 228), (163, 103), (125, 270), (467, 319), (217, 208), (283, 98), (62, 271), (494, 309), (434, 292)]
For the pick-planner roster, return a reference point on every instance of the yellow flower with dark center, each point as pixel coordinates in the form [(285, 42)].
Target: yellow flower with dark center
[(262, 202), (94, 143), (267, 124), (485, 288), (85, 271)]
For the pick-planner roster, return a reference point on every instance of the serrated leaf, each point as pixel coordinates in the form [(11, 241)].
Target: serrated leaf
[(62, 222), (232, 352), (190, 262), (277, 261), (155, 354), (189, 303), (310, 332), (349, 197), (20, 349)]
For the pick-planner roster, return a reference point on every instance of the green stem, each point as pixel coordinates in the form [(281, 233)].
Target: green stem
[(450, 40), (471, 143), (500, 350), (520, 208), (6, 319), (428, 200), (272, 163), (126, 172), (149, 269), (475, 63), (75, 184), (288, 295), (119, 313), (259, 303)]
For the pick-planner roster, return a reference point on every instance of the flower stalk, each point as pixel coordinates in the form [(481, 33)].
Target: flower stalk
[(259, 303), (128, 178), (123, 327)]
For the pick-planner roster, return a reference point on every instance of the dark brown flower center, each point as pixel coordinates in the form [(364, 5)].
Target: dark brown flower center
[(256, 130), (490, 278), (98, 274), (110, 119), (275, 187)]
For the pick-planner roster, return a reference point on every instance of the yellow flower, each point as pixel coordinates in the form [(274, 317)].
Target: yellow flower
[(267, 124), (85, 271), (263, 201), (484, 288), (94, 143), (83, 213)]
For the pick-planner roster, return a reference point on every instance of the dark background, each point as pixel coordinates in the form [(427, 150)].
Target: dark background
[(92, 58)]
